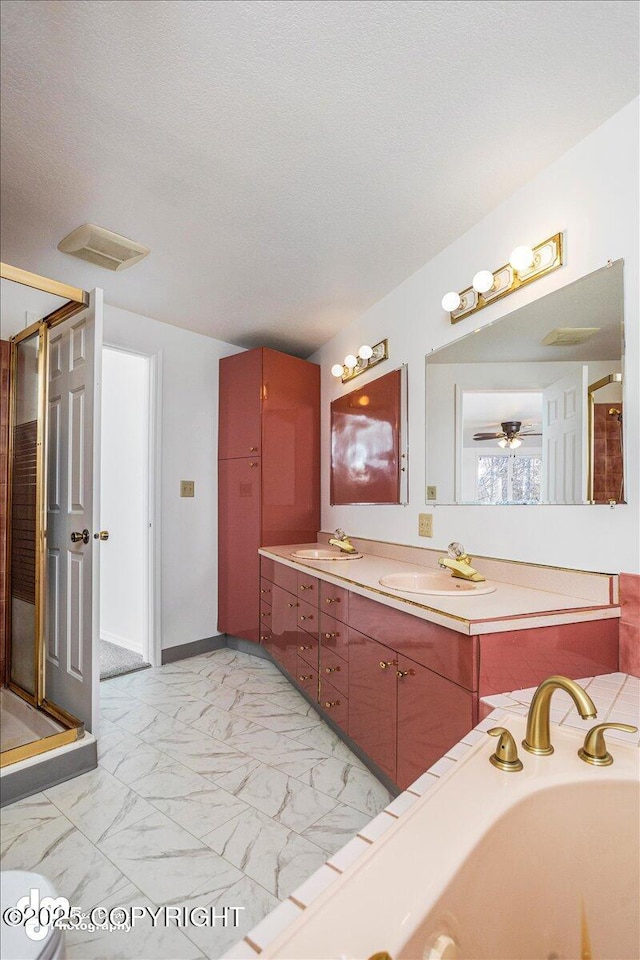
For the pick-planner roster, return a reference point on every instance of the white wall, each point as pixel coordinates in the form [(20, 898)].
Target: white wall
[(123, 498), (188, 364), (591, 193)]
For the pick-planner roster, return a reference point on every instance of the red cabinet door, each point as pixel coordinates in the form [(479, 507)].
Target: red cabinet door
[(291, 449), (433, 714), (373, 700), (238, 530), (239, 433), (284, 628)]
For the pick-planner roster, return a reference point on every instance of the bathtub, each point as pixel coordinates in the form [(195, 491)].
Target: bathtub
[(539, 864)]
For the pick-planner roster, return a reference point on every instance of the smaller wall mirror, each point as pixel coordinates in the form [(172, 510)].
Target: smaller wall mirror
[(529, 409)]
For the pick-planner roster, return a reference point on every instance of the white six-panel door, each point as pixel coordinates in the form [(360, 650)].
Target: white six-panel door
[(73, 467), (564, 434)]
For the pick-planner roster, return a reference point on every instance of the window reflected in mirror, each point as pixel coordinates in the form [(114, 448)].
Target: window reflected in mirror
[(528, 410)]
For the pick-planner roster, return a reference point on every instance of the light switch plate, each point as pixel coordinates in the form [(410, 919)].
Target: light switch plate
[(425, 525), (187, 488), (432, 493)]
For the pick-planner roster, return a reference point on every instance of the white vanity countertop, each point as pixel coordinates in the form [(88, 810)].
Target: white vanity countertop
[(513, 606), (617, 699)]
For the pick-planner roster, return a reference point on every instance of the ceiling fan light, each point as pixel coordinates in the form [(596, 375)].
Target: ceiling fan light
[(502, 443), (515, 442)]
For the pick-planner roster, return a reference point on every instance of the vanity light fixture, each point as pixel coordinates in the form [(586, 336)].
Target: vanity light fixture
[(526, 264), (352, 365)]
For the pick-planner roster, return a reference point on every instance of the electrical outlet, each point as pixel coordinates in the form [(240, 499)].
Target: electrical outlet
[(425, 525), (187, 488), (432, 493)]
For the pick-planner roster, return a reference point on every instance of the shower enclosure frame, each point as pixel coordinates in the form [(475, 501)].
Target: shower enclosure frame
[(77, 300)]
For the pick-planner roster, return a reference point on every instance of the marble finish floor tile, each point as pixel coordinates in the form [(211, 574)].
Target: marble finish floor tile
[(127, 757), (256, 903), (277, 858), (282, 798), (98, 804), (195, 802), (351, 785), (324, 739), (168, 864), (336, 827)]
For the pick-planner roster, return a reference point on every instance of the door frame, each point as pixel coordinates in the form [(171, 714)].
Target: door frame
[(151, 646)]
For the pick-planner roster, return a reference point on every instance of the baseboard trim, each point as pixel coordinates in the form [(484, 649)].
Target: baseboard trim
[(121, 642), (25, 779), (185, 650)]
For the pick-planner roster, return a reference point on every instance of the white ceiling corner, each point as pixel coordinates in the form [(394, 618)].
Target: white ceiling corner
[(288, 161)]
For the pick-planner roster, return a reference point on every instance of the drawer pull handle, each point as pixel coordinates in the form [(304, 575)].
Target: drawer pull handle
[(388, 663), (330, 636), (265, 591), (405, 673), (305, 586), (265, 614), (331, 703), (332, 669), (264, 636), (306, 648), (253, 449), (252, 463), (332, 600), (304, 679), (292, 605), (307, 617)]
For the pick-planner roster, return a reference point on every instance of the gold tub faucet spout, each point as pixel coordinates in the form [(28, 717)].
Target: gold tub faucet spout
[(538, 738)]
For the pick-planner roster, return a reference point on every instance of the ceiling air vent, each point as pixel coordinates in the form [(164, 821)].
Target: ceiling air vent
[(568, 336), (102, 247)]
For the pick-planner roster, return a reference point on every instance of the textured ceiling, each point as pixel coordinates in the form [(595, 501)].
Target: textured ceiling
[(288, 163)]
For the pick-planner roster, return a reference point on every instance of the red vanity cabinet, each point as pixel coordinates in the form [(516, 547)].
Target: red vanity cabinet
[(268, 471), (373, 699), (284, 629)]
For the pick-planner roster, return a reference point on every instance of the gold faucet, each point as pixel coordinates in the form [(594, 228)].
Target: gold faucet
[(342, 542), (538, 738), (460, 564)]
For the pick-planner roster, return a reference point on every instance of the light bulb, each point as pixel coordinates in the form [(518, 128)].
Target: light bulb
[(451, 301), (515, 443), (483, 281), (365, 352), (522, 259), (502, 443), (350, 361), (337, 370)]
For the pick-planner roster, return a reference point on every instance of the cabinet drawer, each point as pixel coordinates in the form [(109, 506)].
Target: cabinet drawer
[(266, 568), (266, 636), (307, 678), (265, 615), (308, 588), (451, 654), (285, 577), (333, 635), (308, 648), (266, 593), (335, 670), (334, 601), (308, 617), (335, 703)]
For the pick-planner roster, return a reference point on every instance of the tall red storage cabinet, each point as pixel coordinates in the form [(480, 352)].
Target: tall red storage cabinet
[(268, 472)]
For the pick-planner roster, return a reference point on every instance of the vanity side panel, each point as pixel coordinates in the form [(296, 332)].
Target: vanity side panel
[(447, 652), (524, 658)]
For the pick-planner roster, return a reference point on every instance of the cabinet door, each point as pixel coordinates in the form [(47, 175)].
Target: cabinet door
[(373, 700), (433, 714), (238, 531), (240, 403), (284, 627)]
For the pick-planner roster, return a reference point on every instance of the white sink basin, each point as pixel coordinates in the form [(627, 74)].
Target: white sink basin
[(324, 555), (435, 584)]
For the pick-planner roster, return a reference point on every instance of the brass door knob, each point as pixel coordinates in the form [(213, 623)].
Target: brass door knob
[(595, 749), (387, 663), (506, 756), (405, 673), (103, 535), (332, 669), (77, 536)]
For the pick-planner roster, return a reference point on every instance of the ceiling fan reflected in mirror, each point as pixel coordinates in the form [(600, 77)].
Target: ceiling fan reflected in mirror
[(510, 435)]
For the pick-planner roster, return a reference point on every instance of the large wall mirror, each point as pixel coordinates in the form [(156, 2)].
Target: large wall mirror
[(529, 409)]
